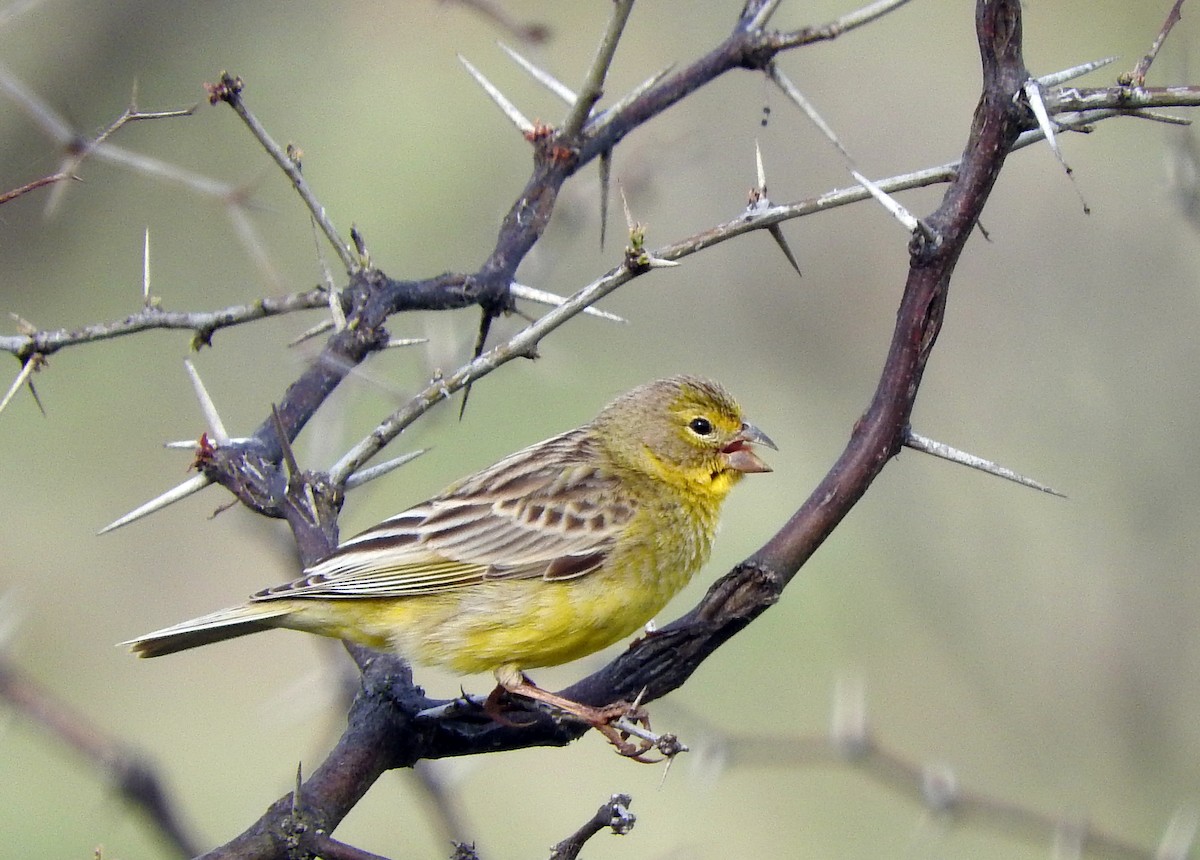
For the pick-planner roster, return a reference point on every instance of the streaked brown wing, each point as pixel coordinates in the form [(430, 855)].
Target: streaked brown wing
[(546, 511)]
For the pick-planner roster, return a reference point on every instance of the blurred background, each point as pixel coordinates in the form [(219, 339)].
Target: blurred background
[(1041, 651)]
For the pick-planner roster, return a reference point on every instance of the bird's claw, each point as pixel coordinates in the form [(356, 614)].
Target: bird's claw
[(634, 722)]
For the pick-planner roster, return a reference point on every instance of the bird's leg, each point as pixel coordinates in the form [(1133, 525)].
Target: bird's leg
[(517, 683), (493, 706)]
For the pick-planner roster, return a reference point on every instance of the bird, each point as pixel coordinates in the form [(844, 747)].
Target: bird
[(551, 554)]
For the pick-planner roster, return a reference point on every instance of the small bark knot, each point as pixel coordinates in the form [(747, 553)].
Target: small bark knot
[(742, 593)]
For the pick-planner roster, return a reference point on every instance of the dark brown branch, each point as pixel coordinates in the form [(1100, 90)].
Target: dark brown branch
[(663, 661), (878, 435), (615, 815), (383, 730)]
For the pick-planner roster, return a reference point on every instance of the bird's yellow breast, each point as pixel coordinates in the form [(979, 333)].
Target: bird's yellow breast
[(527, 623)]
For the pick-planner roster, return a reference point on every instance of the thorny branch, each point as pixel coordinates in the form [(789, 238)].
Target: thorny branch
[(79, 150), (383, 730)]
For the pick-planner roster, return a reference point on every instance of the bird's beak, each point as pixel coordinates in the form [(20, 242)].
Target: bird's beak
[(740, 456)]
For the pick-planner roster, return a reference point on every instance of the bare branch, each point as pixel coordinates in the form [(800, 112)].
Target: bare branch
[(614, 815), (593, 83), (1138, 76), (495, 12), (229, 90), (203, 323)]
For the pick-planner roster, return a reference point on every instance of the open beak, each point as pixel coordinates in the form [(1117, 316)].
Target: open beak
[(740, 456)]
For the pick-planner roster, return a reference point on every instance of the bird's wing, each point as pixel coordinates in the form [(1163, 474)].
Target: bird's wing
[(548, 511)]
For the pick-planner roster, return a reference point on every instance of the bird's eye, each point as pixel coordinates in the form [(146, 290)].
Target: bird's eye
[(700, 426)]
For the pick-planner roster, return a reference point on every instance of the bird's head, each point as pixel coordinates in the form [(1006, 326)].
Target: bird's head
[(685, 430)]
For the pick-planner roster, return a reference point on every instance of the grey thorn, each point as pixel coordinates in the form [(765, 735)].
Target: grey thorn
[(543, 77), (215, 425), (1055, 78), (362, 476), (192, 485), (938, 449), (542, 297), (510, 110)]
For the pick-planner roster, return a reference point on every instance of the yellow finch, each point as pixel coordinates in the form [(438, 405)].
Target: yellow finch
[(549, 555)]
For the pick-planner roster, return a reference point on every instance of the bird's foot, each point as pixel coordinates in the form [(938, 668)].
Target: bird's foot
[(625, 725)]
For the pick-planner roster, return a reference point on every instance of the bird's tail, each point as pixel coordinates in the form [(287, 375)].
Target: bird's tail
[(215, 627)]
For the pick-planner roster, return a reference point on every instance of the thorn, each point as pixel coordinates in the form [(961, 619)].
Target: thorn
[(193, 445), (510, 110), (147, 300), (36, 399), (889, 203), (320, 328), (335, 310), (541, 76), (789, 89), (405, 341), (777, 234), (1179, 836), (290, 465), (542, 297), (666, 770), (635, 251), (954, 455), (297, 812), (1055, 78), (605, 165), (362, 476), (34, 362), (636, 234), (608, 115), (207, 407), (485, 325), (24, 326), (759, 202), (360, 247), (192, 485), (1033, 94), (849, 730)]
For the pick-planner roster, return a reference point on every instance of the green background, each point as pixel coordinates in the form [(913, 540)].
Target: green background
[(1046, 651)]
